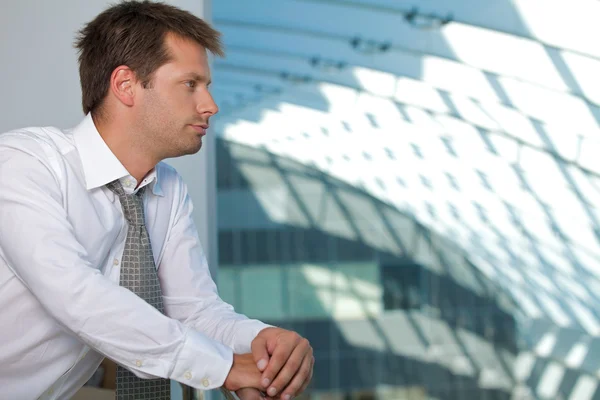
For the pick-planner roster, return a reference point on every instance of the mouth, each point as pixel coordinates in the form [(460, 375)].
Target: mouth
[(201, 129)]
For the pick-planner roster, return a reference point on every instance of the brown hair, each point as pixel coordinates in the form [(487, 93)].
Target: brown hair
[(133, 33)]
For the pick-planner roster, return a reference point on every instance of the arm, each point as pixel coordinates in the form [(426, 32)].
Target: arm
[(285, 358), (190, 294), (38, 243)]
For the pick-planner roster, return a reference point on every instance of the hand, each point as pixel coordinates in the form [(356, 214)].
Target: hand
[(286, 360), (251, 394), (243, 373)]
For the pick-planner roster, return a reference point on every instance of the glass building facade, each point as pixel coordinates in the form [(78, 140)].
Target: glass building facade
[(382, 323), (414, 187)]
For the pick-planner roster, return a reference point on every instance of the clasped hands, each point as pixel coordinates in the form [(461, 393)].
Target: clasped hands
[(280, 366)]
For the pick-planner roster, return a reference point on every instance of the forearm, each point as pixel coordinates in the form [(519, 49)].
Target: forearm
[(216, 319), (190, 294)]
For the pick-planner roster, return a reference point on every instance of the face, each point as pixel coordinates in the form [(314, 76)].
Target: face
[(174, 111)]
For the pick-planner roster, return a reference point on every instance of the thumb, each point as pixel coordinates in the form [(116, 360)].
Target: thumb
[(260, 352)]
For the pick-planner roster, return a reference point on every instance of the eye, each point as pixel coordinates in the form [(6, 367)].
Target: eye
[(190, 84)]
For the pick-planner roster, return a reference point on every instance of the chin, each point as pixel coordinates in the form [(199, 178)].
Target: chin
[(193, 149), (183, 148), (184, 151)]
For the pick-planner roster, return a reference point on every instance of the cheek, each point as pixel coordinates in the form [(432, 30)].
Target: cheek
[(166, 109), (179, 104)]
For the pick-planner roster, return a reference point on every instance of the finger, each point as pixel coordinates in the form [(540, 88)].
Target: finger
[(279, 358), (260, 353), (300, 380), (307, 382), (249, 394), (291, 368)]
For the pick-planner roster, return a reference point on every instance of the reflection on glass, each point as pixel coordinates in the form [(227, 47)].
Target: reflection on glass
[(426, 215)]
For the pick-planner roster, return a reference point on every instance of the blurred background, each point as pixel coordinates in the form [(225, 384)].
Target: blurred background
[(413, 185)]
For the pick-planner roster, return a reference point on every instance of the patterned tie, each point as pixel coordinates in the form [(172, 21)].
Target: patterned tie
[(138, 274)]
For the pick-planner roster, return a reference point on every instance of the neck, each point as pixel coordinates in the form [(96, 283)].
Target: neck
[(121, 139)]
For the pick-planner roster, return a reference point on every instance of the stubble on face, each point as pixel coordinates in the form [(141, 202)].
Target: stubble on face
[(168, 108), (163, 131)]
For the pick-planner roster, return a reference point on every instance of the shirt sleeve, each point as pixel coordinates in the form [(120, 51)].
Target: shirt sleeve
[(38, 243), (190, 294)]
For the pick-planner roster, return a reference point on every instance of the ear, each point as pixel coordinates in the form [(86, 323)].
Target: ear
[(122, 85)]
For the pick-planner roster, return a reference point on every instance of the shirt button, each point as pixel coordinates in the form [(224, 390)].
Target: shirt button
[(187, 375), (115, 261), (50, 391), (138, 363), (205, 382)]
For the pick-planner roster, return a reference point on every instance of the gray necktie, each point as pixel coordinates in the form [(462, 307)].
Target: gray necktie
[(138, 274)]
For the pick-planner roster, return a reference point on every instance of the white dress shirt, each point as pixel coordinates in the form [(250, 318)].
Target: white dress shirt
[(62, 234)]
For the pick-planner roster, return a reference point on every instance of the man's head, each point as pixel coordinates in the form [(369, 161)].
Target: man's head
[(146, 62)]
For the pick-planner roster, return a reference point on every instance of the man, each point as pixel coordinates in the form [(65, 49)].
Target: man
[(99, 256)]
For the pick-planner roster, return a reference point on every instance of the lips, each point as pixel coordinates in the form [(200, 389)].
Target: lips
[(201, 129)]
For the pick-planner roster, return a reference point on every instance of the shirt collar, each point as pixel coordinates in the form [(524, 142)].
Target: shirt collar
[(100, 165)]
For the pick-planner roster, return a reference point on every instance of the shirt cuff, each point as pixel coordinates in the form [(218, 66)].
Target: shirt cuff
[(202, 363), (245, 332)]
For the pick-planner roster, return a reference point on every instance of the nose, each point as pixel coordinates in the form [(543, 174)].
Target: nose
[(207, 105)]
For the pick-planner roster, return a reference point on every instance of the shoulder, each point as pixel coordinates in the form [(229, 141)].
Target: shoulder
[(171, 182), (167, 172), (34, 151), (41, 142), (169, 178)]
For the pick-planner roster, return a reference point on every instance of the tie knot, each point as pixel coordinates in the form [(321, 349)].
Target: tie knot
[(132, 205)]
